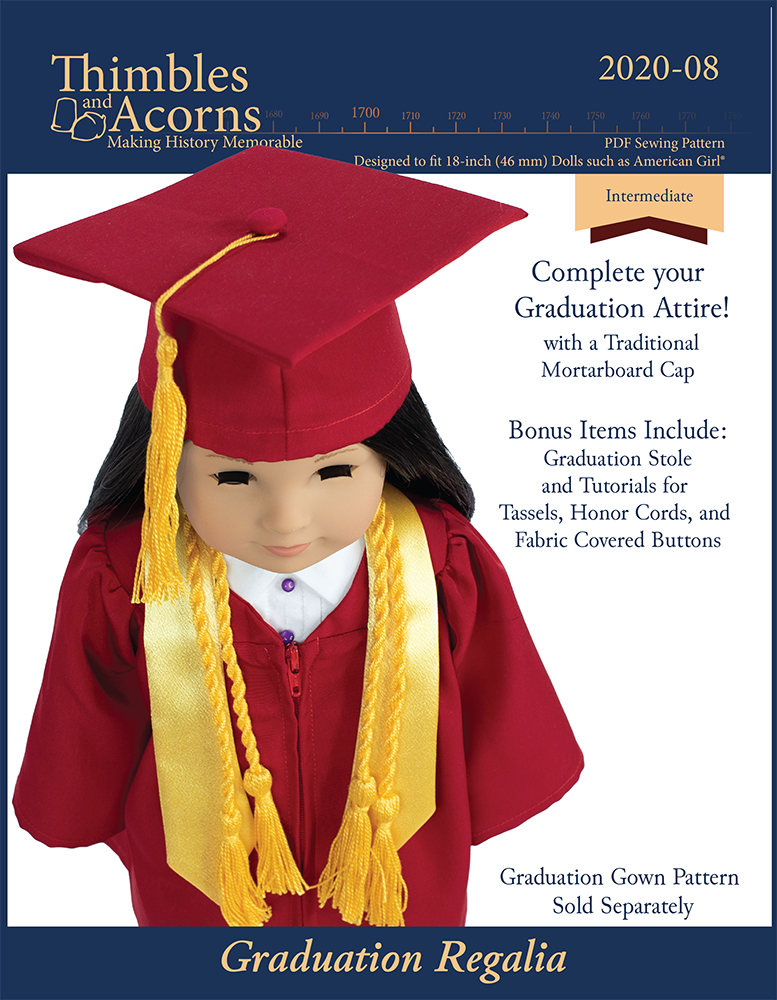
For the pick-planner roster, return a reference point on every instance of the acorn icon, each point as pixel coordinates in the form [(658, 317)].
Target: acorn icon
[(88, 127)]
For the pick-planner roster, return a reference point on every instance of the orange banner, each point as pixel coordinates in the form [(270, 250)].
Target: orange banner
[(618, 203)]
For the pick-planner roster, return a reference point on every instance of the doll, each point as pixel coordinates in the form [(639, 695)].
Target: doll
[(267, 724)]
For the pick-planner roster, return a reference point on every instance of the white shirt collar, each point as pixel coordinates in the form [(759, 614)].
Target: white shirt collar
[(333, 576), (330, 580)]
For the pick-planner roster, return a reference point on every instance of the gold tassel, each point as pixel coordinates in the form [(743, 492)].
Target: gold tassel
[(157, 576), (387, 897), (344, 879), (276, 869), (238, 907)]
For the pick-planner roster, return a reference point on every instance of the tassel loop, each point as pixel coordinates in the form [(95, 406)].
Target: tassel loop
[(386, 809), (257, 782), (362, 794), (166, 353)]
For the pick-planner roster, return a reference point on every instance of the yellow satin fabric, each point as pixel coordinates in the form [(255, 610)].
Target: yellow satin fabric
[(414, 781), (186, 749), (185, 740)]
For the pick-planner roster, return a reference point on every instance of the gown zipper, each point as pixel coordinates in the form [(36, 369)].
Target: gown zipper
[(291, 654)]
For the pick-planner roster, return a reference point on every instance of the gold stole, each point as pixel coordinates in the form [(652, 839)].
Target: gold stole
[(185, 743)]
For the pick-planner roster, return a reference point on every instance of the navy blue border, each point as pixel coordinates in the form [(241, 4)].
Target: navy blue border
[(540, 61), (185, 964), (544, 56)]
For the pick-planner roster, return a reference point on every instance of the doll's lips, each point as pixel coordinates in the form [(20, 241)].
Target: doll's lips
[(286, 551)]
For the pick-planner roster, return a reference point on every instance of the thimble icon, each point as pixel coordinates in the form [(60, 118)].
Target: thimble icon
[(65, 113)]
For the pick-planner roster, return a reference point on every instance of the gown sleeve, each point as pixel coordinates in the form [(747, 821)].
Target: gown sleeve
[(521, 754), (91, 724)]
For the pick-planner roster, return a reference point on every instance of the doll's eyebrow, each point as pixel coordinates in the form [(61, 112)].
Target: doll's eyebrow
[(321, 458), (325, 458), (227, 459)]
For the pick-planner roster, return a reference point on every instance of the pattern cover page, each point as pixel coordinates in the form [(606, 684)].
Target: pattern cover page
[(571, 204)]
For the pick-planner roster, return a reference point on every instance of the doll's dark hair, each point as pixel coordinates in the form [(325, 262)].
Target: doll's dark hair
[(418, 461)]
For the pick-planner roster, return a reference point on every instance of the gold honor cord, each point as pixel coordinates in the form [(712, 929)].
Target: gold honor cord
[(186, 745), (186, 741)]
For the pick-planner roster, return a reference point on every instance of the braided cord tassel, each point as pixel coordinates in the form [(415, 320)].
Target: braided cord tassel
[(157, 575), (277, 870), (242, 905), (345, 878)]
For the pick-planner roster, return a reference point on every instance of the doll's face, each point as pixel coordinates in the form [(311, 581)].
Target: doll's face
[(281, 516)]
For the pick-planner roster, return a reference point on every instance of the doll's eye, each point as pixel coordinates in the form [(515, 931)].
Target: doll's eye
[(243, 478), (333, 471)]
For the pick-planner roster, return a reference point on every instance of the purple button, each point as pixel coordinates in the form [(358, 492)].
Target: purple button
[(288, 585), (287, 636)]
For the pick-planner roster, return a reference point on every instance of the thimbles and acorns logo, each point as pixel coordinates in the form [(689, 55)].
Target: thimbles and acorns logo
[(84, 127), (123, 103)]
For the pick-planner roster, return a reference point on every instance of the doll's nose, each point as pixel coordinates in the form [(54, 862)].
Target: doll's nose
[(284, 516)]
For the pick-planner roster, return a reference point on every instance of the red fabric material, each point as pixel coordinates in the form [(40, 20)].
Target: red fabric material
[(356, 239), (505, 749), (301, 313), (297, 412)]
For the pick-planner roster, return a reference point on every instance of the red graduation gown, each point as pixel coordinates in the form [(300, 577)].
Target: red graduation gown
[(505, 750)]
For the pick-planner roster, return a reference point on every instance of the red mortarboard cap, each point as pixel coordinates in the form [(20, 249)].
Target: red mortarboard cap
[(289, 346)]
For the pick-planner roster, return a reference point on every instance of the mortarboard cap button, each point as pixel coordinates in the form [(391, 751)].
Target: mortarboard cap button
[(266, 221)]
